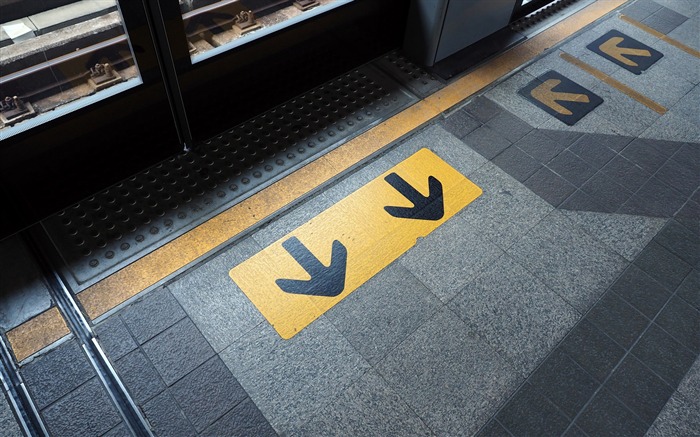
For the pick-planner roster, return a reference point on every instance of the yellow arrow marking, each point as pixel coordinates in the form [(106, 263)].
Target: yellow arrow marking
[(544, 94), (611, 48)]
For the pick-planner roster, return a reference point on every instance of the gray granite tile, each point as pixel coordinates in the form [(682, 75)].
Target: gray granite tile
[(664, 355), (166, 417), (515, 313), (540, 145), (459, 124), (482, 109), (493, 429), (486, 141), (688, 290), (67, 360), (681, 241), (565, 138), (606, 416), (689, 154), (686, 107), (591, 149), (591, 123), (662, 265), (530, 413), (594, 351), (689, 215), (8, 424), (207, 393), (245, 420), (679, 417), (606, 191), (152, 314), (214, 302), (505, 211), (680, 175), (673, 57), (564, 383), (510, 126), (574, 431), (115, 337), (688, 8), (572, 263), (641, 9), (383, 312), (120, 430), (626, 173), (690, 385), (139, 376), (682, 321), (369, 407), (571, 167), (664, 20), (580, 201), (673, 126), (639, 389), (24, 294), (619, 320), (289, 380), (454, 384), (554, 61), (550, 186), (645, 155), (85, 411), (657, 83), (641, 291), (687, 33), (446, 273), (627, 235), (517, 163), (655, 199), (178, 350), (442, 143), (627, 114)]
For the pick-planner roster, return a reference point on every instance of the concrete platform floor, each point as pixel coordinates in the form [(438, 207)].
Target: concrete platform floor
[(565, 300)]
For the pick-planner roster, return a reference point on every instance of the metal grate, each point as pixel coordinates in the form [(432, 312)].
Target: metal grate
[(409, 74), (110, 229)]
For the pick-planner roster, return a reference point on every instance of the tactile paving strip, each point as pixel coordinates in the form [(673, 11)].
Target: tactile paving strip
[(112, 228), (409, 74)]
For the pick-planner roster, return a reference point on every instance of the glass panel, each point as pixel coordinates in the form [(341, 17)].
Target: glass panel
[(57, 56), (215, 26)]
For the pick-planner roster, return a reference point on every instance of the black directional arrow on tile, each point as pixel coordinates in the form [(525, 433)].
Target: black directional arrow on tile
[(325, 281), (424, 208)]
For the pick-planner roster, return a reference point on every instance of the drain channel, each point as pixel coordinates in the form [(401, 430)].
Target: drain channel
[(19, 398), (80, 327), (104, 233)]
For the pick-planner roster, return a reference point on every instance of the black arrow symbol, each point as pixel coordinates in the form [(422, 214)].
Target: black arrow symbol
[(424, 208), (325, 281)]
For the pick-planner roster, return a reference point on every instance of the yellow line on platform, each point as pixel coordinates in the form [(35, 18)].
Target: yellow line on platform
[(37, 333), (641, 98), (661, 36), (187, 248)]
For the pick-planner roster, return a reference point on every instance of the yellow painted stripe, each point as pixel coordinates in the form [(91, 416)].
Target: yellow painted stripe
[(37, 333), (372, 237), (641, 98), (661, 36), (187, 248)]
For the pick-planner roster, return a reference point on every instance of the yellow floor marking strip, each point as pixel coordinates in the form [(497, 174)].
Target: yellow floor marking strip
[(371, 236), (661, 36), (641, 98), (159, 264), (37, 333)]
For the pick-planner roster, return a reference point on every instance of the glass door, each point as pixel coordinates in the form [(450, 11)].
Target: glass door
[(82, 102)]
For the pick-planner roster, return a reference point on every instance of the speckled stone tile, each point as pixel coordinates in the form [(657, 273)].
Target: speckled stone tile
[(8, 424), (627, 235), (380, 314), (453, 380), (369, 407), (515, 313), (289, 380), (571, 262), (678, 418), (214, 302)]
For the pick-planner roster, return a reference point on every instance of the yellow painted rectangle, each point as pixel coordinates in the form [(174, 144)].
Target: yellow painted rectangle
[(373, 239)]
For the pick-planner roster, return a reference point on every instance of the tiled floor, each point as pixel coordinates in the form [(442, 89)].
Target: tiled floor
[(563, 301)]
